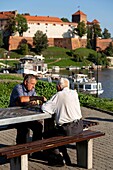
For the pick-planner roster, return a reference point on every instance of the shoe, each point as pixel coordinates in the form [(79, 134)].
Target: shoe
[(37, 155), (55, 160), (67, 160)]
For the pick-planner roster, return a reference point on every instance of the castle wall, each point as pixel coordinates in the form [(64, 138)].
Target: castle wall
[(69, 43), (51, 29), (103, 43)]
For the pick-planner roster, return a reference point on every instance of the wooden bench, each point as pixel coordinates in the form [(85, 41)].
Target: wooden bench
[(18, 154)]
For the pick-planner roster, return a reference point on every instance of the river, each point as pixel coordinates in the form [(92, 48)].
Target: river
[(105, 76)]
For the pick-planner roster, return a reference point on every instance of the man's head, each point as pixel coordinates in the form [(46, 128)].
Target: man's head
[(29, 81), (62, 83)]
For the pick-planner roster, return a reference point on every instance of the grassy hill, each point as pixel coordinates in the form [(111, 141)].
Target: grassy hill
[(56, 56)]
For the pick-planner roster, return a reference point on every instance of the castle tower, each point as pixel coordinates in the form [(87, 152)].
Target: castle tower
[(79, 16)]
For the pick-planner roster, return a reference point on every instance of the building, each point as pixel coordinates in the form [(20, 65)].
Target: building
[(59, 33)]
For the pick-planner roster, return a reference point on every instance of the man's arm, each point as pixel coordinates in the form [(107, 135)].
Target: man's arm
[(25, 100)]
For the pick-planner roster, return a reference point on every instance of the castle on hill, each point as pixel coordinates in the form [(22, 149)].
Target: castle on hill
[(59, 33)]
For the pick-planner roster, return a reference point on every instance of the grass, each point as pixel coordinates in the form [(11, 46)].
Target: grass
[(52, 54)]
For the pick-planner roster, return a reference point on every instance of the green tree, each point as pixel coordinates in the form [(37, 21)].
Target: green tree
[(89, 44), (65, 20), (24, 49), (96, 31), (16, 24), (21, 24), (10, 26), (109, 50), (80, 30), (1, 39), (106, 34), (40, 41)]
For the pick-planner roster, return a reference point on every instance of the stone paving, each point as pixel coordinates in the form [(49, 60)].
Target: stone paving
[(102, 148)]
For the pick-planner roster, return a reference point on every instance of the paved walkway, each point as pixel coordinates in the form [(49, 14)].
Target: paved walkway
[(102, 150)]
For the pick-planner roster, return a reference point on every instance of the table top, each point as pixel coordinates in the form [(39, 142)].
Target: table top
[(14, 115)]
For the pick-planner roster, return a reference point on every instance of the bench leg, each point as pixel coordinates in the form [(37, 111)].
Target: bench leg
[(85, 153), (19, 163)]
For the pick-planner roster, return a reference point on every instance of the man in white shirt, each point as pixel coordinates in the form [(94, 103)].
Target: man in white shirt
[(66, 107)]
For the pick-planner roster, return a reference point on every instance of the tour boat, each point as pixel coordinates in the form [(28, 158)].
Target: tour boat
[(86, 85)]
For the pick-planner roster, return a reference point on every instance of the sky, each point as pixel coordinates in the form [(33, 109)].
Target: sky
[(101, 10)]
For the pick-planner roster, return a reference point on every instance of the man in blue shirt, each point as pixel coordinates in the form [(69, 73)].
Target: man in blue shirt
[(24, 94)]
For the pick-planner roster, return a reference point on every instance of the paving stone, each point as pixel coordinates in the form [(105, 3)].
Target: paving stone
[(102, 147)]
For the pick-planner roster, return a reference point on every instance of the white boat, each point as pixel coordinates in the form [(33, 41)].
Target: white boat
[(32, 65), (86, 85), (56, 68), (90, 87), (73, 68)]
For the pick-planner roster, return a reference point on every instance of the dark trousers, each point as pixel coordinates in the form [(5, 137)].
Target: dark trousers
[(69, 129), (23, 129)]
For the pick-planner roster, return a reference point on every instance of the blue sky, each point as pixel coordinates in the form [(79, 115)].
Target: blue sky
[(101, 10)]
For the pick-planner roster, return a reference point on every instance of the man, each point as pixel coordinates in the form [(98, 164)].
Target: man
[(24, 94), (65, 104)]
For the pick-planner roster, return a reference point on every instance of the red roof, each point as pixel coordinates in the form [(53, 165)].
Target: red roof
[(95, 21), (79, 13), (42, 18), (7, 14)]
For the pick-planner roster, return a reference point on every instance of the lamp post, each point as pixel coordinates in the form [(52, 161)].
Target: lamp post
[(98, 50)]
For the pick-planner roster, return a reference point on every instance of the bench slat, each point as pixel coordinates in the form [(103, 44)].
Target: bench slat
[(44, 144)]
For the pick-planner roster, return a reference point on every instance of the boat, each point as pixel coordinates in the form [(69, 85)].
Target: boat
[(32, 65), (72, 68), (86, 85), (90, 87), (82, 83), (56, 68)]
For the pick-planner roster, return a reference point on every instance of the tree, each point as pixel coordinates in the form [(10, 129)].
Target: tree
[(109, 50), (40, 41), (80, 30), (16, 24), (106, 34), (96, 30), (65, 20), (21, 24), (24, 49), (10, 26), (1, 39)]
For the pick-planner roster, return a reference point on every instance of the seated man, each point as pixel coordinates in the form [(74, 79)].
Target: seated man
[(24, 94), (66, 107)]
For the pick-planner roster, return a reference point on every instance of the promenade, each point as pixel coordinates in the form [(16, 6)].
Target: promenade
[(102, 147)]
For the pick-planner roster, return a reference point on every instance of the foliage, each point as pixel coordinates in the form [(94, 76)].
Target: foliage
[(87, 100), (10, 77), (16, 24), (10, 26), (88, 44), (21, 24), (48, 90), (1, 39), (65, 20), (97, 30), (24, 49), (109, 50), (45, 89), (80, 30), (106, 34), (40, 41), (42, 88)]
